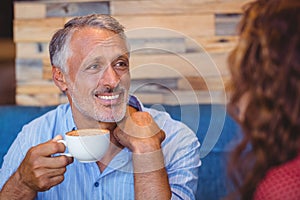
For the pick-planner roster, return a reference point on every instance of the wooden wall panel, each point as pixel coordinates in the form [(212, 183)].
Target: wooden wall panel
[(179, 48), (176, 7), (190, 25), (36, 30)]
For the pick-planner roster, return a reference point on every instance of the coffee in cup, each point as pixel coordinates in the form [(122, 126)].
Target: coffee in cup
[(87, 145)]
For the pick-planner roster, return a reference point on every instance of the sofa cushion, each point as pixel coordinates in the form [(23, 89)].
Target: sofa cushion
[(12, 119), (215, 129)]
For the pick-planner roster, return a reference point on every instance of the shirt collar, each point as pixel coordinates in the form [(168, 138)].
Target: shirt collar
[(134, 102)]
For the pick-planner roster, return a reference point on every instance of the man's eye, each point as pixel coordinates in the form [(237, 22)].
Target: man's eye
[(122, 64), (94, 66)]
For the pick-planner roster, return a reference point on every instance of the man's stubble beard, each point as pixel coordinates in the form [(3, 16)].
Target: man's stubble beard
[(99, 113)]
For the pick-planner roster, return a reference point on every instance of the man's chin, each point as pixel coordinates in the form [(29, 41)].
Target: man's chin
[(111, 119), (112, 116)]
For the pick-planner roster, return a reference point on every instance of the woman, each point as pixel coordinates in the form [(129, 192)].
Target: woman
[(265, 100)]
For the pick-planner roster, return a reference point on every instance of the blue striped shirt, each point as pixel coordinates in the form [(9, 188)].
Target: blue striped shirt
[(85, 181)]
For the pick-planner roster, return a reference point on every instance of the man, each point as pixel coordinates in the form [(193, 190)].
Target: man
[(150, 156)]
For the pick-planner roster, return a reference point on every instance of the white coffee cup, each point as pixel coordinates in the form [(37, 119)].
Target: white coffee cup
[(87, 145)]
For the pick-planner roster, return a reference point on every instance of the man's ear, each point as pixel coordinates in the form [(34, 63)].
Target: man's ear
[(59, 78)]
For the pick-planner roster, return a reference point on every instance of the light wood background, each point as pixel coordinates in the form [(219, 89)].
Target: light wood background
[(179, 47)]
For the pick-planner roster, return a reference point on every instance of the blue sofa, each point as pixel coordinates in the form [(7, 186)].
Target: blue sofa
[(216, 131)]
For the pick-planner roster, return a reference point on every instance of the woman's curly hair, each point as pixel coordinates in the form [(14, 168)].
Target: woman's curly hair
[(265, 70)]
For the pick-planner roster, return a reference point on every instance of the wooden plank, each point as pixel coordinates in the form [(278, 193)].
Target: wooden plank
[(152, 85), (177, 65), (37, 99), (76, 8), (210, 83), (47, 69), (28, 70), (157, 45), (32, 50), (41, 87), (195, 97), (226, 24), (176, 7), (150, 98), (214, 44), (178, 97), (202, 97), (29, 10), (189, 25), (36, 10), (36, 30), (41, 30)]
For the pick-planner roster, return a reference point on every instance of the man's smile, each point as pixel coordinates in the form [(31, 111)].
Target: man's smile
[(108, 97)]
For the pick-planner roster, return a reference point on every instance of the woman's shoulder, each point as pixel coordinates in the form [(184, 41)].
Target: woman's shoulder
[(281, 182)]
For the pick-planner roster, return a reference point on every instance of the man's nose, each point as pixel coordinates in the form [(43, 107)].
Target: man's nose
[(110, 77)]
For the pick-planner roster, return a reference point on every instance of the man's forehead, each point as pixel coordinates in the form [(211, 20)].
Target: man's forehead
[(103, 56), (100, 34), (97, 38)]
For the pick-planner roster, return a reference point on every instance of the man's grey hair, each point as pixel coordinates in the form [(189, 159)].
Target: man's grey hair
[(59, 46)]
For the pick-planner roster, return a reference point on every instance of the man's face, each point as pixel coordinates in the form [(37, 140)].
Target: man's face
[(98, 76)]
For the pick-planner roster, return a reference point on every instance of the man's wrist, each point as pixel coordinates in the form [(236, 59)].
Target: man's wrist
[(22, 187), (146, 147), (148, 162)]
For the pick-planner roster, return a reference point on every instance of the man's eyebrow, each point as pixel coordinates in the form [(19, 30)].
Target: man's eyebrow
[(96, 59), (101, 59), (90, 61), (125, 55)]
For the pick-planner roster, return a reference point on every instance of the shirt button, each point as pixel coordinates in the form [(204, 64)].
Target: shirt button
[(96, 184)]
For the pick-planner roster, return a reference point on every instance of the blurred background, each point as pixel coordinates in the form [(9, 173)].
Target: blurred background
[(7, 54), (181, 59)]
